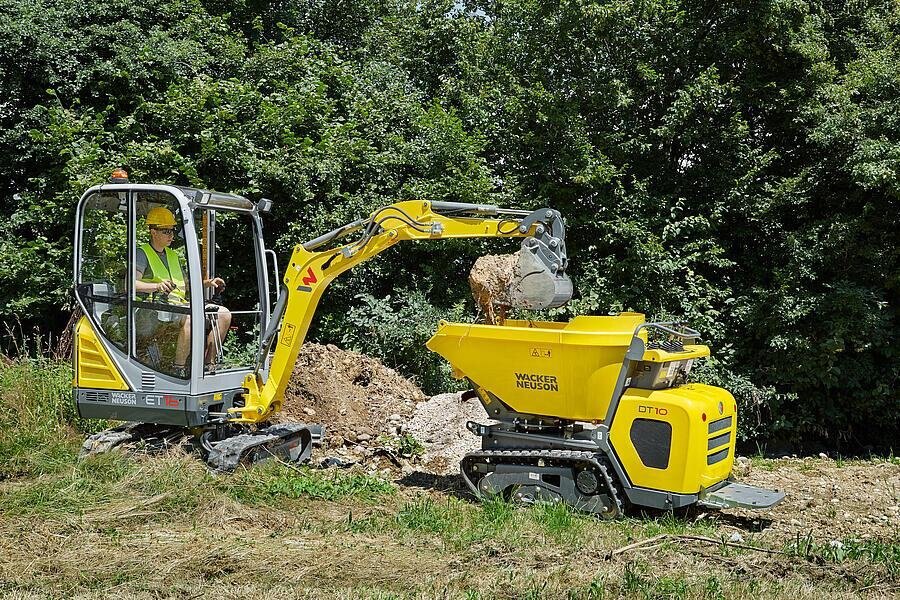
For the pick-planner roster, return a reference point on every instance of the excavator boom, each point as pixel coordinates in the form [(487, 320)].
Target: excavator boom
[(540, 280)]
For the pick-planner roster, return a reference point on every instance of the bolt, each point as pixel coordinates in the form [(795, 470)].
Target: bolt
[(540, 230), (523, 228), (548, 214), (554, 243)]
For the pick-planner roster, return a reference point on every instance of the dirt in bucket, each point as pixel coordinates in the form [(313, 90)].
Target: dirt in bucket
[(489, 280)]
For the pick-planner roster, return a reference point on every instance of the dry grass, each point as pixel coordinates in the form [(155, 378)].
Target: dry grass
[(165, 528)]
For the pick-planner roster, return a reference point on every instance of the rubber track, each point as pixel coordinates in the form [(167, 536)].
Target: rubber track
[(556, 458), (226, 455)]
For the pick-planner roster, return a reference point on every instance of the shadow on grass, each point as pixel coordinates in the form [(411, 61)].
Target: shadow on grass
[(452, 485), (690, 518)]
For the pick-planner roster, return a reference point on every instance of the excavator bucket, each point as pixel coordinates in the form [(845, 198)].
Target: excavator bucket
[(538, 282)]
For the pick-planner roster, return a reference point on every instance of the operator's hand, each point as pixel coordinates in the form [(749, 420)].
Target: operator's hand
[(216, 282), (164, 287)]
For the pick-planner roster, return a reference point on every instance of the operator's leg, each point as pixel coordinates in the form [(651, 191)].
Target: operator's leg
[(183, 346), (221, 322)]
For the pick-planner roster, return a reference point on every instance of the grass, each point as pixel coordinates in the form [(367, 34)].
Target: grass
[(39, 429), (165, 527), (848, 549)]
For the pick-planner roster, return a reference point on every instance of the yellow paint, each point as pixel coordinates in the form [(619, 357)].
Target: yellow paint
[(573, 377), (94, 368), (684, 408)]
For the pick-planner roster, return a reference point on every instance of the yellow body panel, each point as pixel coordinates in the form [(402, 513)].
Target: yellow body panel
[(562, 370), (93, 366), (690, 410)]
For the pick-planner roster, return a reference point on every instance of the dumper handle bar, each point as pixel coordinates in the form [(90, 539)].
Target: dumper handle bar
[(685, 332)]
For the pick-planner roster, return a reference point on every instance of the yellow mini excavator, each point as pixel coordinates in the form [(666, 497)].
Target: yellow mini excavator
[(190, 330)]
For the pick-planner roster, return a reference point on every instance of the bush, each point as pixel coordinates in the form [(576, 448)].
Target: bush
[(395, 329)]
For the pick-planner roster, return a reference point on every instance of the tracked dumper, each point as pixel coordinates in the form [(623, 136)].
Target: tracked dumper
[(597, 413)]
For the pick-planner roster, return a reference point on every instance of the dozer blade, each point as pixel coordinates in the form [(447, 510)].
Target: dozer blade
[(741, 495), (147, 438), (538, 282), (288, 442)]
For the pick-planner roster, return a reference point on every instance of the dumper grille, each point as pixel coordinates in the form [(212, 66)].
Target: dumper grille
[(719, 440), (720, 425), (720, 432)]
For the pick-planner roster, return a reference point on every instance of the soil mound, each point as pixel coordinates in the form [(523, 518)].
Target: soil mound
[(439, 424), (355, 396), (375, 418)]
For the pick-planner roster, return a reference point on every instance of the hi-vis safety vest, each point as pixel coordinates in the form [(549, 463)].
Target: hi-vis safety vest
[(173, 273)]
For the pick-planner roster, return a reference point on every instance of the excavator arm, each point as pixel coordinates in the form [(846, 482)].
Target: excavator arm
[(539, 281)]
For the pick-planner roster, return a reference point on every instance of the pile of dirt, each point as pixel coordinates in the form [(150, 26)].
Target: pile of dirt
[(374, 416), (355, 396), (440, 425), (489, 280)]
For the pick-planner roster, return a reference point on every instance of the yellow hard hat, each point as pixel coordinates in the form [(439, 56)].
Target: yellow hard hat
[(160, 216)]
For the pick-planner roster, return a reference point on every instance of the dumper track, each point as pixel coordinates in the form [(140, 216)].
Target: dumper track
[(581, 479)]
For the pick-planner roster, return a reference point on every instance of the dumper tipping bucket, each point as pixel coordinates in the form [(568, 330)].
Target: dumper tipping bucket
[(561, 370)]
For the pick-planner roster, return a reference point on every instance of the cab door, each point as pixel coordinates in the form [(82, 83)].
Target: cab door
[(162, 295)]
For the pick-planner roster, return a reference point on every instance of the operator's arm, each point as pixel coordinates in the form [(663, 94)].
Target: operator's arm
[(148, 287), (214, 282)]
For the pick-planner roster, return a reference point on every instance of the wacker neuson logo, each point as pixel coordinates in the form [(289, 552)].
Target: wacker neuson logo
[(533, 381)]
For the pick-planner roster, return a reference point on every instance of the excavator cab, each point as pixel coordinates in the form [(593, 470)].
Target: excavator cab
[(175, 286)]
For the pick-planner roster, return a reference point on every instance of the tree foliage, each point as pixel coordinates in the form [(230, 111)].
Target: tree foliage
[(735, 165)]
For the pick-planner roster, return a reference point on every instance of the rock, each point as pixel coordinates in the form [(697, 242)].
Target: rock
[(822, 455), (395, 418), (736, 538), (363, 437), (334, 462), (795, 522), (309, 411)]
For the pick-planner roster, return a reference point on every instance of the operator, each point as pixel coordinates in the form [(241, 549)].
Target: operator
[(158, 271)]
